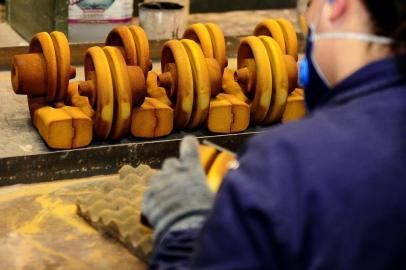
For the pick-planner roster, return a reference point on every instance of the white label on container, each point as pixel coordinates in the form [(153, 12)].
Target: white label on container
[(100, 11)]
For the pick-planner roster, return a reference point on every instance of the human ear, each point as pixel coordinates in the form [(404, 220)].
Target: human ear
[(337, 8)]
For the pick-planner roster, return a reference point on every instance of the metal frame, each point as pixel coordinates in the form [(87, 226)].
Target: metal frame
[(105, 159)]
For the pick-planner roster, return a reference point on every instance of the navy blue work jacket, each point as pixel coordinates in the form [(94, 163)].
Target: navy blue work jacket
[(326, 192)]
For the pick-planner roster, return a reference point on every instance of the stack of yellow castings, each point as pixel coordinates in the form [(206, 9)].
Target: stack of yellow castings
[(110, 100), (116, 86), (120, 93), (150, 118), (267, 70), (43, 75), (283, 32), (192, 74), (116, 210)]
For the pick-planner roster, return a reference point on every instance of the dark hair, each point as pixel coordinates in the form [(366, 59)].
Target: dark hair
[(389, 18)]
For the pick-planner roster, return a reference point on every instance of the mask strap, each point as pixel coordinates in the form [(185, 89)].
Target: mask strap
[(319, 71), (353, 36)]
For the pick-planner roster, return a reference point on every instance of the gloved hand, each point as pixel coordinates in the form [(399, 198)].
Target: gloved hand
[(179, 197)]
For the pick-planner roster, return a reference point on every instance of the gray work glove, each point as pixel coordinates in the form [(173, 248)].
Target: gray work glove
[(179, 197)]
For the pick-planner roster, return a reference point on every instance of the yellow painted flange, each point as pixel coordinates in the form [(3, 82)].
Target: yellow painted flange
[(122, 93), (45, 71), (96, 63), (292, 70), (290, 36), (272, 29), (177, 75), (64, 70), (211, 39), (251, 48), (42, 43), (219, 44), (142, 46), (199, 33), (201, 83), (279, 80), (122, 38)]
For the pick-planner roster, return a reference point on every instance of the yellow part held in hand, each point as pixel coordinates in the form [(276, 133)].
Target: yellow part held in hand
[(219, 170), (207, 156)]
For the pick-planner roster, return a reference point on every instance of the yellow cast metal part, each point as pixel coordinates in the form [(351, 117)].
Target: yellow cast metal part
[(201, 83), (142, 46), (177, 76), (64, 71), (200, 34), (253, 50), (42, 43), (219, 170), (122, 38), (290, 36), (133, 44), (122, 93), (219, 44), (272, 29), (279, 80), (96, 63)]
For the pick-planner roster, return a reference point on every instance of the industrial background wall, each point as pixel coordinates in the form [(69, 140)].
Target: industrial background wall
[(30, 16), (198, 6), (202, 6)]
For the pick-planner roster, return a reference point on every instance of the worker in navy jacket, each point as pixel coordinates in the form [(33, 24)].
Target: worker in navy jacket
[(326, 192)]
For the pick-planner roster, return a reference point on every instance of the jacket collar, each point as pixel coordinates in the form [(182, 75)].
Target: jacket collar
[(376, 76)]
